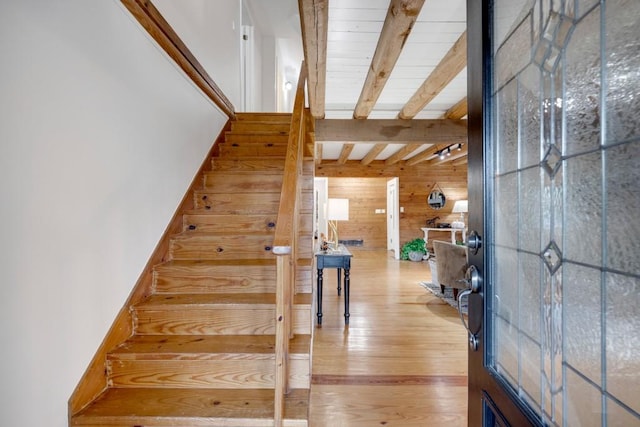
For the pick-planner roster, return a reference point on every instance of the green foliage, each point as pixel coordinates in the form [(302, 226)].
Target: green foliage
[(415, 245)]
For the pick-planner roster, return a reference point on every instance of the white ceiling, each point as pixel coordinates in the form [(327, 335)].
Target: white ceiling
[(353, 32)]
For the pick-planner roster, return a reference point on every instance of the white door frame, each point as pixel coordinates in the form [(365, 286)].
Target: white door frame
[(393, 216)]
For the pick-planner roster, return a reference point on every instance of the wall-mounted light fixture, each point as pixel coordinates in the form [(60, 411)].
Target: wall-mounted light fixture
[(446, 151)]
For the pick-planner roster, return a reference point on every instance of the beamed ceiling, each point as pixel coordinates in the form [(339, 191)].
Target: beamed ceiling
[(387, 79)]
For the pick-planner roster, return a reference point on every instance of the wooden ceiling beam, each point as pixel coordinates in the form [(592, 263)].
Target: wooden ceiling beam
[(422, 156), (453, 62), (344, 154), (314, 19), (458, 111), (432, 131), (402, 153), (373, 153), (455, 155), (401, 16)]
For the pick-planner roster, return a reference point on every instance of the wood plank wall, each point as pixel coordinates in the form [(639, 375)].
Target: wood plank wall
[(366, 188)]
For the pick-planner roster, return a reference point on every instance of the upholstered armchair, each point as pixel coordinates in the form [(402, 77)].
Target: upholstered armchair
[(451, 264)]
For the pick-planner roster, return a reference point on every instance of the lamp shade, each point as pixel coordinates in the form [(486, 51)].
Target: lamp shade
[(338, 209), (460, 206)]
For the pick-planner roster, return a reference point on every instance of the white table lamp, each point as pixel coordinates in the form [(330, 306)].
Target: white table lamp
[(337, 210), (462, 207)]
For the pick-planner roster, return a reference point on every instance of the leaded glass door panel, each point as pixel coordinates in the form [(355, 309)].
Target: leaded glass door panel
[(554, 188)]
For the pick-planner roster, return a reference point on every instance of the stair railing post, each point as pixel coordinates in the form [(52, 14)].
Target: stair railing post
[(285, 247)]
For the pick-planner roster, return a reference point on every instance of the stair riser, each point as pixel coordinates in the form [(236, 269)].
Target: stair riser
[(217, 321), (255, 138), (252, 149), (248, 165), (229, 280), (225, 374), (241, 224), (222, 247), (229, 203), (222, 280), (221, 182), (251, 126), (264, 117)]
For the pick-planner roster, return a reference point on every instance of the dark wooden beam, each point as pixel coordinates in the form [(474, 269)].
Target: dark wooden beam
[(438, 131), (450, 66), (314, 19), (401, 16)]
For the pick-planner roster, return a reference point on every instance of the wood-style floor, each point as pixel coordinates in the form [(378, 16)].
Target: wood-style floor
[(402, 361)]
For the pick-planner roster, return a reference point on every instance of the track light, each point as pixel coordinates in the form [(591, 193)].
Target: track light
[(459, 147), (441, 155), (448, 151)]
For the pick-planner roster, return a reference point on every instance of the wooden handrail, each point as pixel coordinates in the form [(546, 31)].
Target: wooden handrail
[(155, 24), (285, 244)]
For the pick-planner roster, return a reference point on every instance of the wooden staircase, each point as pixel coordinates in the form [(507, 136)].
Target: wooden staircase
[(203, 348)]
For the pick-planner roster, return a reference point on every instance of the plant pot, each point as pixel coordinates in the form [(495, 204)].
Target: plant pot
[(415, 256), (434, 271)]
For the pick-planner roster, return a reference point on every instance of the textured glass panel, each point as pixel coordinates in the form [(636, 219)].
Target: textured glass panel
[(617, 416), (623, 70), (582, 85), (623, 207), (530, 369), (514, 54), (552, 341), (506, 227), (507, 14), (584, 402), (584, 6), (530, 90), (506, 285), (551, 210), (583, 210), (529, 224), (507, 147), (583, 325), (529, 283), (623, 345), (506, 357)]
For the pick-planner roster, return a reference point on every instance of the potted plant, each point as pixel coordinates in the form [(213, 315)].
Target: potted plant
[(413, 250)]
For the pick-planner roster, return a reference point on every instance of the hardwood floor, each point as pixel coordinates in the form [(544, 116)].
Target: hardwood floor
[(402, 361)]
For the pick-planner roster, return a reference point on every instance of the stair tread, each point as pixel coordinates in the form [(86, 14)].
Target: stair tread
[(206, 264), (190, 407), (177, 301), (205, 347)]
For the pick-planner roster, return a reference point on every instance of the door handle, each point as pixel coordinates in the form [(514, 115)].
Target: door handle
[(474, 282)]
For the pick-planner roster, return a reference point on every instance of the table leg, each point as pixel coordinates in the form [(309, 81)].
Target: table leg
[(339, 280), (347, 284), (319, 292)]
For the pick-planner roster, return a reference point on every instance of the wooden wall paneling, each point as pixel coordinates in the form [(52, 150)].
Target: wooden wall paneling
[(365, 196), (365, 185)]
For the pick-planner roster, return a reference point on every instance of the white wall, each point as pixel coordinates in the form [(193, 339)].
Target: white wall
[(100, 136), (212, 31)]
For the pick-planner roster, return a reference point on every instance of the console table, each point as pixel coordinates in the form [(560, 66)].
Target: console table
[(453, 232), (339, 258)]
